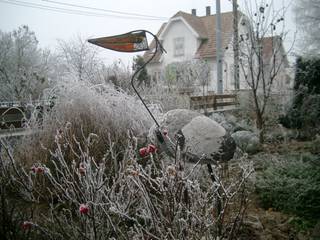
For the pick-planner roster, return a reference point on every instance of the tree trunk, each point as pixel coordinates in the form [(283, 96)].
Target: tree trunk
[(260, 125)]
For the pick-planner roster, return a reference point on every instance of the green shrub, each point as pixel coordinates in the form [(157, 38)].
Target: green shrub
[(305, 112), (293, 186)]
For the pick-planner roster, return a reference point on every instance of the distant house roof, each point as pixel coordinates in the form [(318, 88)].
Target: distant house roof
[(205, 27), (208, 47), (268, 44), (195, 22)]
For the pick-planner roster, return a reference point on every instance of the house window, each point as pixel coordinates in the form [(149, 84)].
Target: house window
[(178, 46), (156, 76)]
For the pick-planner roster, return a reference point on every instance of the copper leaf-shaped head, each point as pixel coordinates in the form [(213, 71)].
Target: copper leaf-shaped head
[(134, 41)]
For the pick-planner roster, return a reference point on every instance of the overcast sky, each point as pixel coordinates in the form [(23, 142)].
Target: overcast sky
[(51, 25)]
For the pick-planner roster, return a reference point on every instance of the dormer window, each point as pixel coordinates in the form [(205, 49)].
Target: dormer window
[(178, 46)]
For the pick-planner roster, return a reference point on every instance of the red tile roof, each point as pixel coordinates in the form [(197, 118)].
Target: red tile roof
[(205, 27), (195, 22), (208, 47)]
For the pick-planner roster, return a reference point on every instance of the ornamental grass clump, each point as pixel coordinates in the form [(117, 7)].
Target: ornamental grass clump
[(98, 116)]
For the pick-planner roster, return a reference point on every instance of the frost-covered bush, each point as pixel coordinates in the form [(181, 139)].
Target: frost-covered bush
[(154, 200), (80, 109)]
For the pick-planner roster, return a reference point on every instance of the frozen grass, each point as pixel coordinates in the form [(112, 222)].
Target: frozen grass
[(81, 110), (80, 177)]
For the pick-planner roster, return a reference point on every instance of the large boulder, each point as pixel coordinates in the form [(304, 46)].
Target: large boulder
[(198, 136), (172, 122), (247, 141)]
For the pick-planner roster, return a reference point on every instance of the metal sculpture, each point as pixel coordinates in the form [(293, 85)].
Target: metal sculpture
[(134, 41)]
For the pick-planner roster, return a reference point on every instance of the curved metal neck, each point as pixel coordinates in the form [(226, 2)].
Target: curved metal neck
[(159, 47)]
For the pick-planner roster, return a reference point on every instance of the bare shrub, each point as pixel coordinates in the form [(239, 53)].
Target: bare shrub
[(155, 201)]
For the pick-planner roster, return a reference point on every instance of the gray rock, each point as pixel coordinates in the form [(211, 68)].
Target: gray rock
[(172, 122), (228, 126), (217, 117), (247, 141), (242, 125), (230, 122), (203, 135), (197, 135), (231, 118)]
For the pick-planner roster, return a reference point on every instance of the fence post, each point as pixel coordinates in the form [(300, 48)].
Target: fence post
[(214, 102)]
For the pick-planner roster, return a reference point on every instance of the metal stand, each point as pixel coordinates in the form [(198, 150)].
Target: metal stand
[(159, 47)]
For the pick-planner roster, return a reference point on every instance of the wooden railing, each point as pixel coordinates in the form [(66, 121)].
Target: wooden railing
[(12, 114), (214, 102)]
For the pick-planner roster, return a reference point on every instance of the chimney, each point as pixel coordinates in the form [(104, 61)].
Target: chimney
[(208, 11), (194, 11)]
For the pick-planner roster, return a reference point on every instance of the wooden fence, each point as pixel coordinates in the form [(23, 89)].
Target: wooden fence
[(13, 114), (214, 102), (11, 117)]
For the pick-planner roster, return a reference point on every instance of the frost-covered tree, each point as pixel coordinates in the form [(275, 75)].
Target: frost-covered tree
[(23, 65), (201, 71), (187, 74), (143, 77), (119, 75), (308, 18), (79, 60)]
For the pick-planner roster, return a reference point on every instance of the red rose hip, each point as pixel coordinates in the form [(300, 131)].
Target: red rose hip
[(152, 148), (83, 209), (26, 225), (143, 152)]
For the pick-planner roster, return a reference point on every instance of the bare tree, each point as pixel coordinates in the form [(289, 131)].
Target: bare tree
[(308, 18), (187, 75), (201, 71), (119, 75), (262, 55), (201, 74), (80, 60)]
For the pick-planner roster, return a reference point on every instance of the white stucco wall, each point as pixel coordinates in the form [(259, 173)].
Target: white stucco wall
[(228, 66), (178, 29)]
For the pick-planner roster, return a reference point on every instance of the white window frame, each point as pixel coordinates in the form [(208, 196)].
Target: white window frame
[(179, 46)]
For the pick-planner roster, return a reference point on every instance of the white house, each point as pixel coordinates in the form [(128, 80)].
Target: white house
[(188, 36)]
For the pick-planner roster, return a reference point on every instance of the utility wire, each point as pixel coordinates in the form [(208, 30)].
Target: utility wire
[(59, 10), (71, 11), (105, 10)]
